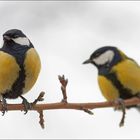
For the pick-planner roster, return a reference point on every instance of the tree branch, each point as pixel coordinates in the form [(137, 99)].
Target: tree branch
[(86, 107), (77, 106)]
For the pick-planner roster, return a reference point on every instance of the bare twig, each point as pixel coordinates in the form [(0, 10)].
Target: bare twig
[(41, 119), (64, 83), (87, 111), (77, 106), (39, 98), (86, 107)]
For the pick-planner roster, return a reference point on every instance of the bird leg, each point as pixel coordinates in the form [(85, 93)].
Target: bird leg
[(121, 106), (27, 105), (4, 105), (138, 105)]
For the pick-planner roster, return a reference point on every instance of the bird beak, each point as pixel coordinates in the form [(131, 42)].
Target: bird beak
[(87, 61), (5, 37)]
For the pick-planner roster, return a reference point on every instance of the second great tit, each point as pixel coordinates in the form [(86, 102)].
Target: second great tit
[(118, 75)]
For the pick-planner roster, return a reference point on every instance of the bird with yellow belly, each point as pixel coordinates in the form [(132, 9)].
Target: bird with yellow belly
[(19, 67), (118, 75)]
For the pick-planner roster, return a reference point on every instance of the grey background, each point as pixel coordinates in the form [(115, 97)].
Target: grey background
[(65, 34)]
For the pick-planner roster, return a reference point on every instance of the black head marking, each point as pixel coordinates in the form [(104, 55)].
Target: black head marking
[(14, 39), (102, 50), (107, 64), (13, 33)]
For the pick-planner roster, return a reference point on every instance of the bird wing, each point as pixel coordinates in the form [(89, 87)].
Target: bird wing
[(128, 73), (9, 71)]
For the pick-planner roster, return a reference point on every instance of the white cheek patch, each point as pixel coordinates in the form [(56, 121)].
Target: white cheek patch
[(104, 58), (21, 41)]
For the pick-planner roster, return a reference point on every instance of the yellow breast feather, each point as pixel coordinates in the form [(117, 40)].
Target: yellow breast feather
[(108, 90), (32, 67), (128, 73), (9, 71)]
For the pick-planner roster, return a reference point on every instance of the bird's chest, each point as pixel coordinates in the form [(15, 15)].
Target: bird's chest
[(107, 88), (29, 67), (15, 75), (32, 68)]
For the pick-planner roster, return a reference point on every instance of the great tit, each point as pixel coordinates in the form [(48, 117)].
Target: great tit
[(118, 75), (19, 66)]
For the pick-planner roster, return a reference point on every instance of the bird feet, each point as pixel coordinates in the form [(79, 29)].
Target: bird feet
[(120, 106), (119, 103), (4, 105), (27, 105)]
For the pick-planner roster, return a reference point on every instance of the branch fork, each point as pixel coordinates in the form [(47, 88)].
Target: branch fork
[(86, 107)]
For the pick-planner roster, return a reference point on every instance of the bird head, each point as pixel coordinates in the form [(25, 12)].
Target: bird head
[(106, 56), (16, 36)]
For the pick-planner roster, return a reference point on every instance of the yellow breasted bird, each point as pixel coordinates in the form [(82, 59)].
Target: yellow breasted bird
[(19, 66), (118, 75)]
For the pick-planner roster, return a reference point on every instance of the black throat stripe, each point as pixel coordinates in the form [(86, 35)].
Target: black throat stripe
[(19, 84), (124, 92), (17, 88)]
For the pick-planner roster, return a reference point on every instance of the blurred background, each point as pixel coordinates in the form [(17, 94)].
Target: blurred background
[(65, 34)]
